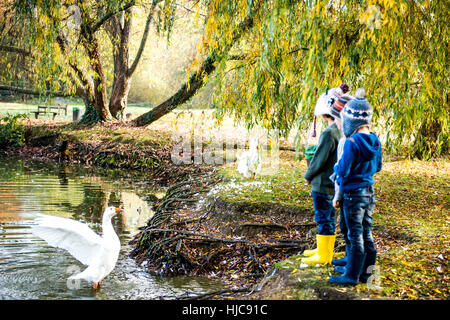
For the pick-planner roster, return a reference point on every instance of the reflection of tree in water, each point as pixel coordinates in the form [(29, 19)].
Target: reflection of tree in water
[(96, 200), (96, 196), (81, 194), (62, 176)]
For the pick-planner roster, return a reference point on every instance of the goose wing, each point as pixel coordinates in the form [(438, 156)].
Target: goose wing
[(75, 237)]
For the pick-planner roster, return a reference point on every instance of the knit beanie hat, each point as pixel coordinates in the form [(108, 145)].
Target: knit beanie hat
[(339, 105), (356, 113), (326, 101), (336, 93)]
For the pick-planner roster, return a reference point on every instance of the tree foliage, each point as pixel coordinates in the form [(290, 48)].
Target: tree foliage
[(268, 73), (14, 62), (397, 50), (83, 47)]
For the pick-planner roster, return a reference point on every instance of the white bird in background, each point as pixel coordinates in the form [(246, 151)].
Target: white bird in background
[(250, 161), (74, 20), (98, 253)]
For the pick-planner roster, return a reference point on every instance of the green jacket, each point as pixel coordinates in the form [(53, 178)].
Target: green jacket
[(321, 166)]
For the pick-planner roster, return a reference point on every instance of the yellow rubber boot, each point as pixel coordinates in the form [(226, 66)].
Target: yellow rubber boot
[(331, 248), (310, 253), (325, 248)]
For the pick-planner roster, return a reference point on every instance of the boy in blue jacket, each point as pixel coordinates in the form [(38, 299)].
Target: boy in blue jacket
[(360, 160)]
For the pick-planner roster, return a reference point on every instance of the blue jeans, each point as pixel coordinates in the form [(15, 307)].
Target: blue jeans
[(342, 223), (358, 206), (324, 213)]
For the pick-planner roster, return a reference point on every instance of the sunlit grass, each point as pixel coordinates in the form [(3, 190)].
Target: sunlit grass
[(411, 223), (283, 184), (28, 108)]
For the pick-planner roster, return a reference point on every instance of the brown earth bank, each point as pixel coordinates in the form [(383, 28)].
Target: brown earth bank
[(110, 145), (196, 234)]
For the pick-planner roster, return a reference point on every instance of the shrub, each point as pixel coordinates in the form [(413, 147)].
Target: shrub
[(12, 131)]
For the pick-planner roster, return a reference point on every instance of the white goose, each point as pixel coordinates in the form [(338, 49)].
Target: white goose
[(98, 253), (250, 161)]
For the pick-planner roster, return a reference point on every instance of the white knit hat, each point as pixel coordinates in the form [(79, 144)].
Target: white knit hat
[(326, 101)]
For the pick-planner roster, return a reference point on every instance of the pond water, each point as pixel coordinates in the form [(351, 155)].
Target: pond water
[(31, 269)]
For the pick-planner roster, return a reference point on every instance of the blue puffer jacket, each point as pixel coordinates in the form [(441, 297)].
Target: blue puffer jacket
[(360, 160)]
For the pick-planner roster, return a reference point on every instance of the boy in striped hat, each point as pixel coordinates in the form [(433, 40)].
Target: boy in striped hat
[(319, 170)]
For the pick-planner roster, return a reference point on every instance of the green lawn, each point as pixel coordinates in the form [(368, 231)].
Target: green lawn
[(16, 108)]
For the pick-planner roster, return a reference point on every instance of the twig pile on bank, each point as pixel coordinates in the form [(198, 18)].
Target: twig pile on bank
[(193, 234)]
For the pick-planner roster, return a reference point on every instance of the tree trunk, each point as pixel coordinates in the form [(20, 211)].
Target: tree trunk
[(90, 114), (99, 100), (119, 96), (120, 37), (33, 92), (187, 91), (425, 145)]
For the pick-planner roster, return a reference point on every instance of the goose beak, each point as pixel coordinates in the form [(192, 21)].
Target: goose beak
[(119, 210)]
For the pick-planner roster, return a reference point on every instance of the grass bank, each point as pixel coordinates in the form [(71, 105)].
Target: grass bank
[(411, 228)]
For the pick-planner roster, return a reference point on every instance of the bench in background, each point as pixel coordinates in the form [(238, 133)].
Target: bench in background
[(53, 110)]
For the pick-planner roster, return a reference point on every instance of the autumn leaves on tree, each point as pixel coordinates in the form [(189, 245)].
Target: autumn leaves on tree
[(268, 58)]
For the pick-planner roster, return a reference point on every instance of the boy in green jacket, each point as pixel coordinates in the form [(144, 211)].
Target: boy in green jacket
[(318, 173)]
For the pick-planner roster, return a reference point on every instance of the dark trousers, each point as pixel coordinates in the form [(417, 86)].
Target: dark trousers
[(358, 206), (342, 223), (324, 213)]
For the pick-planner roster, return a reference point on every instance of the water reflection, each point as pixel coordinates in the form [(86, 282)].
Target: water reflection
[(30, 269)]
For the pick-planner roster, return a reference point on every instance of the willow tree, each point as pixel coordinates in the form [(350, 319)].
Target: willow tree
[(67, 42), (397, 50)]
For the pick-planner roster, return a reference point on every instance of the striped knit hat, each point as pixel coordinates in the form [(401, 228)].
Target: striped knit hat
[(326, 101), (339, 105), (356, 113)]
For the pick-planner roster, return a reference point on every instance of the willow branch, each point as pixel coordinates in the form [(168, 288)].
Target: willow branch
[(197, 79), (108, 15), (15, 50), (143, 40), (33, 92)]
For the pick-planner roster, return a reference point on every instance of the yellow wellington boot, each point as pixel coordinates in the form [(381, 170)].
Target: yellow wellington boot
[(310, 253), (325, 248), (331, 248)]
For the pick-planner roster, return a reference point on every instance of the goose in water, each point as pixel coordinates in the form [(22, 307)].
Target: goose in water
[(98, 253)]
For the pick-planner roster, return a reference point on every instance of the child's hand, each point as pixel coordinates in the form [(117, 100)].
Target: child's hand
[(308, 182), (336, 204)]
